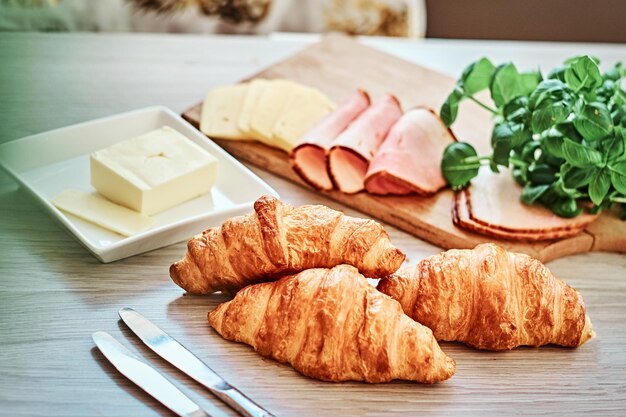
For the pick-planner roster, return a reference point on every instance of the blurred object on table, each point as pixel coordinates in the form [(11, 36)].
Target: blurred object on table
[(403, 18), (540, 20)]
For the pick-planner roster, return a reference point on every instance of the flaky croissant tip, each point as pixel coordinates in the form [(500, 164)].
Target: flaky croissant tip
[(185, 275), (587, 332), (450, 367)]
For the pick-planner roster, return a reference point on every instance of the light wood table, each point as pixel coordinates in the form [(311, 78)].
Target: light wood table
[(54, 294)]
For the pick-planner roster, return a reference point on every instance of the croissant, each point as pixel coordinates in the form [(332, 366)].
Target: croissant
[(332, 325), (491, 299), (278, 239)]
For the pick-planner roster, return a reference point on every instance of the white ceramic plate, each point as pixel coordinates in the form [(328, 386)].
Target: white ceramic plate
[(50, 162)]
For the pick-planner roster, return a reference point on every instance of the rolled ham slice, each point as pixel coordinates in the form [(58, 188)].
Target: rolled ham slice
[(409, 160), (494, 200), (492, 206), (462, 219), (354, 148), (308, 158)]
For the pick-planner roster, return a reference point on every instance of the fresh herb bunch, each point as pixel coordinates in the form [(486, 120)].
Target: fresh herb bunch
[(563, 136)]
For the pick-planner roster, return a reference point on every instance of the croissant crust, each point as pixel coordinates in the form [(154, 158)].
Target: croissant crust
[(490, 299), (331, 324), (278, 239)]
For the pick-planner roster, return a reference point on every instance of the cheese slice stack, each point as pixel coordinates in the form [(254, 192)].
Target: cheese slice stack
[(274, 112)]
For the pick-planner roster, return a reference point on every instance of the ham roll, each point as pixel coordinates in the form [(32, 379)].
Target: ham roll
[(354, 148), (492, 206), (409, 160), (494, 201), (308, 158)]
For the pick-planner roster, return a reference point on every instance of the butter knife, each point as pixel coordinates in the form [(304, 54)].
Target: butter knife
[(172, 351), (146, 377)]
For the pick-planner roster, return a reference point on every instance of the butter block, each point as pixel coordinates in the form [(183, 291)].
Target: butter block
[(153, 172), (98, 210), (307, 107), (221, 110), (270, 106), (250, 102)]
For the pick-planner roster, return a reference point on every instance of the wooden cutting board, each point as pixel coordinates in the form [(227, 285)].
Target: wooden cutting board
[(338, 65)]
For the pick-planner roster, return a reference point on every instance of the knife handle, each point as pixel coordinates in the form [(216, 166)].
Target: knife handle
[(238, 401)]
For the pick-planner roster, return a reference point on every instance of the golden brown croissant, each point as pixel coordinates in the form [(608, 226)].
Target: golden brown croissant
[(278, 239), (490, 299), (331, 324)]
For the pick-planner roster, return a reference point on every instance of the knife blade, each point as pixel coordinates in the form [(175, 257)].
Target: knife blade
[(146, 377), (172, 351)]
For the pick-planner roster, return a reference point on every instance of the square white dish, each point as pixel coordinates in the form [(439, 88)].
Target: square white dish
[(48, 163)]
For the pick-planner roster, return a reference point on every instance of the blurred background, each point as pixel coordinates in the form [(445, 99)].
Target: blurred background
[(546, 20)]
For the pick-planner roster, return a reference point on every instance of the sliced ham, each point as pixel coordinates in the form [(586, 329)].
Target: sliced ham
[(409, 160), (494, 200), (308, 158), (510, 218), (354, 148), (461, 218)]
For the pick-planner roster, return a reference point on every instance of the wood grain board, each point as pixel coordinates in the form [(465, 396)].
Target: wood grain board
[(338, 65)]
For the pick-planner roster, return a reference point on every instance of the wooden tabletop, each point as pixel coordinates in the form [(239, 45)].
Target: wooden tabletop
[(54, 294)]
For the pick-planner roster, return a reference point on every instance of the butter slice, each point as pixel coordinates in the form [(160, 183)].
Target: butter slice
[(97, 209), (250, 102), (305, 109), (153, 172), (269, 108), (221, 110)]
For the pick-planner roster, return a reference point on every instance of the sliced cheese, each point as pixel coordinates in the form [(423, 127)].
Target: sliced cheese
[(153, 172), (221, 110), (269, 108), (250, 102), (98, 210), (307, 107)]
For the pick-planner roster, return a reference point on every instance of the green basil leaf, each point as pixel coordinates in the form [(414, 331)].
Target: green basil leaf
[(552, 143), (550, 196), (506, 136), (583, 72), (450, 107), (593, 121), (553, 161), (618, 179), (548, 115), (476, 76), (528, 151), (541, 174), (563, 191), (502, 82), (599, 186), (568, 130), (531, 193), (620, 137), (566, 207), (575, 58), (516, 110), (459, 164), (619, 167), (507, 83), (527, 82), (613, 147), (576, 177), (554, 90), (618, 176), (579, 155)]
